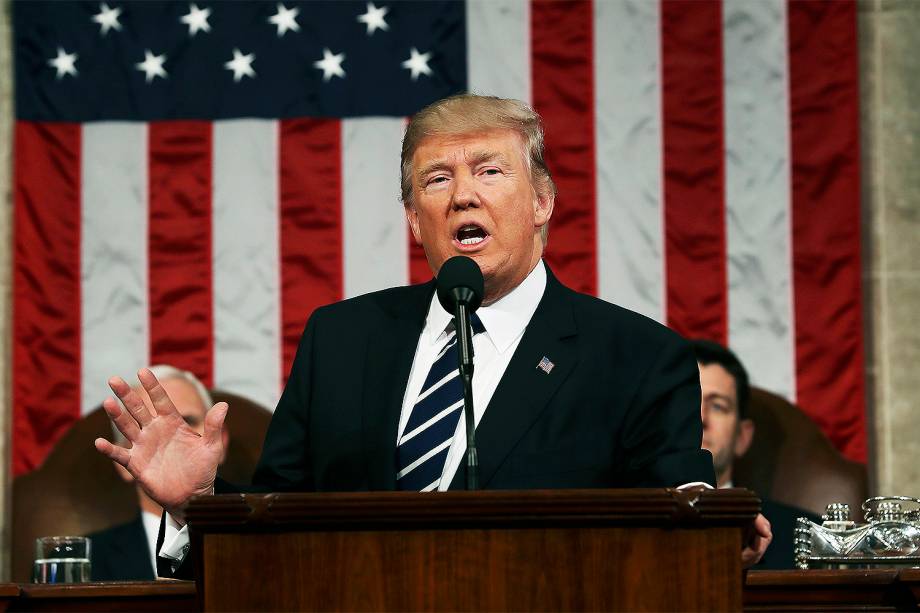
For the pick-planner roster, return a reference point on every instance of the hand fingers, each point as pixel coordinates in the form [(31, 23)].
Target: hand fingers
[(158, 396), (752, 554), (749, 557), (214, 422), (763, 527), (125, 424), (131, 400), (113, 452)]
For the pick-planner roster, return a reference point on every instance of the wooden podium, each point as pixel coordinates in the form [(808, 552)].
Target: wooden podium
[(651, 550)]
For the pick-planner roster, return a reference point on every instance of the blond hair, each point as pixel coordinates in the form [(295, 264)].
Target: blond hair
[(465, 113)]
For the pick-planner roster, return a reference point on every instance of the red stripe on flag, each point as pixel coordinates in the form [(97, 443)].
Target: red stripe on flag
[(824, 107), (46, 288), (694, 171), (311, 224), (179, 248), (562, 74)]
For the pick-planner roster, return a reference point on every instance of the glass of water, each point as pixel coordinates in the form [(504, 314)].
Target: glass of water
[(61, 559)]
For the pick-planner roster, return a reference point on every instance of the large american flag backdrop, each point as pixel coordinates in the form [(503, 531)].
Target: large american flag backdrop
[(192, 180)]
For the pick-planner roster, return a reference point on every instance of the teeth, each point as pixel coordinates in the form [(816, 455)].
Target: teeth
[(471, 241)]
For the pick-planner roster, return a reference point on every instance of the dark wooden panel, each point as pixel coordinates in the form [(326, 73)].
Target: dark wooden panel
[(638, 550), (827, 590), (523, 569)]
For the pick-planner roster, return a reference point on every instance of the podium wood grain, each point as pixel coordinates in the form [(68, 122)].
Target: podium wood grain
[(486, 551)]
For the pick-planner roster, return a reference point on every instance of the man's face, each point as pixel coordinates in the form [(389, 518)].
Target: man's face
[(723, 435), (187, 401), (472, 195)]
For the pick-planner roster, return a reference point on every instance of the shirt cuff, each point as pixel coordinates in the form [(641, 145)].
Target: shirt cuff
[(680, 487), (175, 543)]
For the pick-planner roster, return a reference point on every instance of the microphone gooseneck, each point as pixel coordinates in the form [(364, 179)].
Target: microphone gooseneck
[(460, 288)]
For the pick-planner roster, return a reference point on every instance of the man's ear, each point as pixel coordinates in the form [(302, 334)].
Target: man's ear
[(544, 201), (412, 218), (745, 437)]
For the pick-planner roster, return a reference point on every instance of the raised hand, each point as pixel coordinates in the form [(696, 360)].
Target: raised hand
[(169, 460)]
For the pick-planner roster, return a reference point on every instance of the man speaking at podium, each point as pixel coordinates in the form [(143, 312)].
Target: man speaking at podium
[(569, 391)]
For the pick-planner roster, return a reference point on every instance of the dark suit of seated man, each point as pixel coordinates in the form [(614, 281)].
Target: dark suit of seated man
[(122, 553), (728, 432), (569, 391)]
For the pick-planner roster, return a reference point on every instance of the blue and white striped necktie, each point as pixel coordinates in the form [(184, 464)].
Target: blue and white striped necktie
[(426, 440)]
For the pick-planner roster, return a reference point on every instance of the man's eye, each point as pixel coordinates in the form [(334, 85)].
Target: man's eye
[(491, 171), (437, 179)]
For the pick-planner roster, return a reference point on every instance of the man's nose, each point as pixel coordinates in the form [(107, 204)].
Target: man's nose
[(465, 194)]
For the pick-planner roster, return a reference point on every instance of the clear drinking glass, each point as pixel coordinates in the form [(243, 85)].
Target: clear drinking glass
[(61, 559)]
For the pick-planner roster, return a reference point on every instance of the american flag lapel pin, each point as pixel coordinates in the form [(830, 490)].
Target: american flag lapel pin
[(545, 365)]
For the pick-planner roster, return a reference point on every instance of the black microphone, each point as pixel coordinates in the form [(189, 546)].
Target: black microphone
[(460, 289)]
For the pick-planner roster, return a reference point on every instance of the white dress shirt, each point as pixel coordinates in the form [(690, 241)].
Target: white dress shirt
[(504, 322), (151, 523)]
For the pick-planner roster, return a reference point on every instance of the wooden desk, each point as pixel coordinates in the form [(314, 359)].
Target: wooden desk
[(815, 590), (832, 590), (112, 596)]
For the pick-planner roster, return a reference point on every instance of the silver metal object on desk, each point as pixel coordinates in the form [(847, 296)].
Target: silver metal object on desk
[(890, 536)]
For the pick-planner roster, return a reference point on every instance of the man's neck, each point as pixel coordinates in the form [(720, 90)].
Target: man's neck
[(494, 294)]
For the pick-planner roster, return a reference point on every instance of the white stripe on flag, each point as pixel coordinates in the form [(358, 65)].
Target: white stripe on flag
[(247, 321), (628, 137), (113, 256), (757, 191), (498, 48), (376, 239)]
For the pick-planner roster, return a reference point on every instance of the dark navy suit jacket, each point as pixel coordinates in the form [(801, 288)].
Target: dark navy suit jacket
[(620, 407)]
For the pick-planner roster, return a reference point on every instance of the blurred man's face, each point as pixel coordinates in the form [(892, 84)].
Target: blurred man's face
[(187, 401), (723, 435), (472, 195)]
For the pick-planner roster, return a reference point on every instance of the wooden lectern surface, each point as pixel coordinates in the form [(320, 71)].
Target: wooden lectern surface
[(765, 591), (485, 551), (174, 596)]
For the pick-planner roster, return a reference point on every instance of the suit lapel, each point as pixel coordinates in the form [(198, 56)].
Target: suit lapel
[(390, 351), (525, 389)]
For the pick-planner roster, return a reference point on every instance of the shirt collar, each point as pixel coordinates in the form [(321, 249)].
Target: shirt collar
[(505, 319)]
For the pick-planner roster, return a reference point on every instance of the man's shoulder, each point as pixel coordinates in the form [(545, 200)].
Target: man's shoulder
[(597, 316), (393, 301)]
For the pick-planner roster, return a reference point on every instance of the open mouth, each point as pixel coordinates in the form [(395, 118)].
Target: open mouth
[(471, 235)]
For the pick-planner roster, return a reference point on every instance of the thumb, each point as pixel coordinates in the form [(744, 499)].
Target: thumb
[(214, 423)]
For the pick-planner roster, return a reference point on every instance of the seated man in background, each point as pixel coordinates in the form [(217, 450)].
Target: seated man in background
[(727, 434), (127, 552)]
